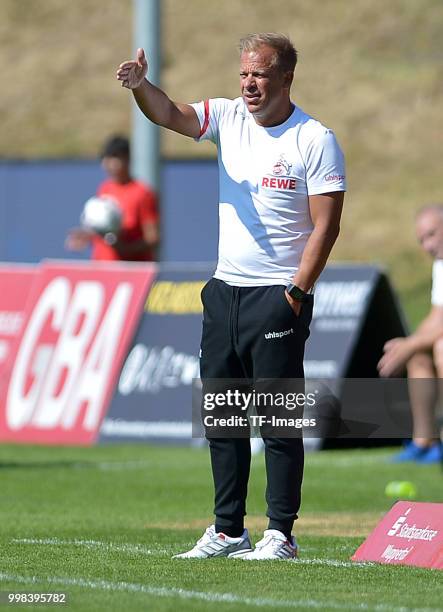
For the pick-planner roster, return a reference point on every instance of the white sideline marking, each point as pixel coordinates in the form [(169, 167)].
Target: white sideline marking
[(124, 547), (140, 549), (105, 585), (334, 563), (346, 548)]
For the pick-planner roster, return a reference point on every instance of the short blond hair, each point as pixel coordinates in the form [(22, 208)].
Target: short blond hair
[(285, 52)]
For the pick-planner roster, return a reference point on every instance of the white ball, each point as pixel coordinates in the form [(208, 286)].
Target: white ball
[(101, 215)]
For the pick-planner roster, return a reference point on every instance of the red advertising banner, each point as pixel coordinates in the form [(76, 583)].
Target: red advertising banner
[(15, 285), (60, 375), (411, 533)]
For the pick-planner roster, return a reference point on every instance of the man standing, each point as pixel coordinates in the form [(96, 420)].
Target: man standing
[(281, 185), (421, 353)]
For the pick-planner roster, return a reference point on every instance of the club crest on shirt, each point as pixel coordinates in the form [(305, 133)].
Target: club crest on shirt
[(280, 179), (281, 167)]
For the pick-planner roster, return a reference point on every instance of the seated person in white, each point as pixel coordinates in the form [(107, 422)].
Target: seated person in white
[(421, 353)]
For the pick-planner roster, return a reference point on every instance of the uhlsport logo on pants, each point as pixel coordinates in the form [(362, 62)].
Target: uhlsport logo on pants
[(279, 334)]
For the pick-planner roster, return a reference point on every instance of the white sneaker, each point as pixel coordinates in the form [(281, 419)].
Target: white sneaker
[(213, 544), (274, 545)]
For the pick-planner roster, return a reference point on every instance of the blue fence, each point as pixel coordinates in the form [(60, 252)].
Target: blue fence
[(41, 200)]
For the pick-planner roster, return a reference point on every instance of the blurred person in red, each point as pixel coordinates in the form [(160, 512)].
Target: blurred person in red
[(421, 353), (138, 237)]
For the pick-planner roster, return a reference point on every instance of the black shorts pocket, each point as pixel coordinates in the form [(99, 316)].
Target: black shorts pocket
[(289, 308)]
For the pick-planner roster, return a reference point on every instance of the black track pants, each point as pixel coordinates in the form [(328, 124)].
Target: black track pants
[(242, 339)]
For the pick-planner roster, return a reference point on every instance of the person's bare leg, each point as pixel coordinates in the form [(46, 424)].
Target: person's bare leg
[(423, 395)]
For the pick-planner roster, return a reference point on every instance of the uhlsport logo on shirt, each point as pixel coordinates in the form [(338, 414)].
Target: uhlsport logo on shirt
[(281, 179), (334, 177)]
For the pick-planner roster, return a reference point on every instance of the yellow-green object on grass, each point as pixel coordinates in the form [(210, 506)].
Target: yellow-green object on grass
[(401, 489)]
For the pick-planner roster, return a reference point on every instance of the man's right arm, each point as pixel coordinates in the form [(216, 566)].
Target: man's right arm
[(430, 329), (153, 102), (398, 351)]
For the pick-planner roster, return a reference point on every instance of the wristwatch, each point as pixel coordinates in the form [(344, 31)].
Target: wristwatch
[(110, 238), (296, 293)]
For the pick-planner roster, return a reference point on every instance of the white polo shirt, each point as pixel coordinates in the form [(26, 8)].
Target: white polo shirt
[(437, 283), (265, 178)]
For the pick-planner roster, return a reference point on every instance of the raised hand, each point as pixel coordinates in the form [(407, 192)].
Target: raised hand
[(132, 72)]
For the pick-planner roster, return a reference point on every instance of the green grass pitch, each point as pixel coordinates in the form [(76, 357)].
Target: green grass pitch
[(101, 524)]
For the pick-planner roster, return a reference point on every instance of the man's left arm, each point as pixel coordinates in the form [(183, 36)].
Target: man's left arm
[(150, 239), (325, 209)]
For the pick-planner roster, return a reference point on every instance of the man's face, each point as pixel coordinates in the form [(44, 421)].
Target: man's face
[(429, 229), (264, 86)]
